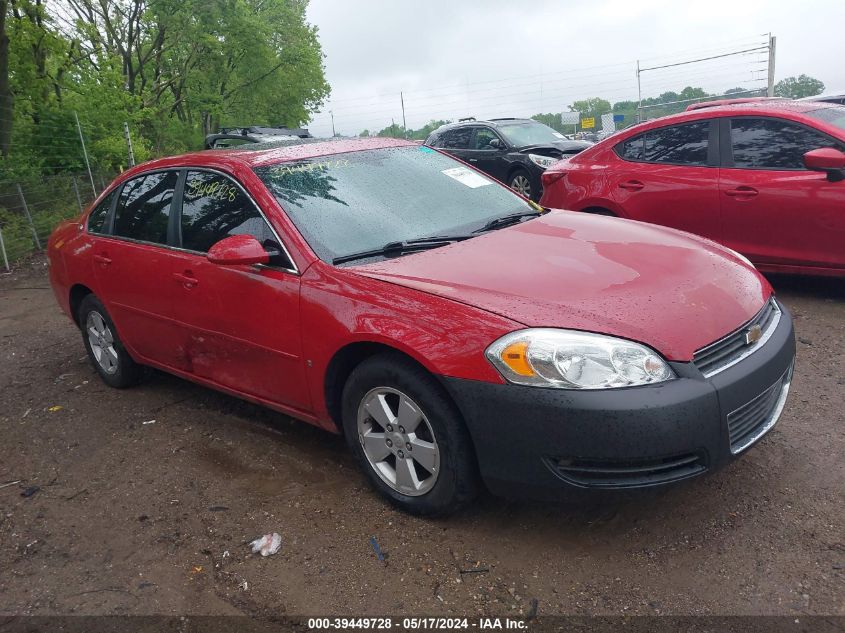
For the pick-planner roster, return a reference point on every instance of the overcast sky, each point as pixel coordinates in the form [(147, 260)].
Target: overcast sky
[(488, 58)]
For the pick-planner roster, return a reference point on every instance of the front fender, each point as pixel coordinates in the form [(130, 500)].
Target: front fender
[(340, 307)]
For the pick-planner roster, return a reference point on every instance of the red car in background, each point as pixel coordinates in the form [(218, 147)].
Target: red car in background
[(452, 330), (765, 178)]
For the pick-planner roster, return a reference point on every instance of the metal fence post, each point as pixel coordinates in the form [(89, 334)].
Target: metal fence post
[(85, 153), (128, 144), (29, 217), (76, 191), (3, 248)]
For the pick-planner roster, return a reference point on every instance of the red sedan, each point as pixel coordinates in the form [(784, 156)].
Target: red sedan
[(452, 330), (765, 178)]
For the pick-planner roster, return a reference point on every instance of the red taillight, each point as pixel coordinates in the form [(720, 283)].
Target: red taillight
[(550, 177)]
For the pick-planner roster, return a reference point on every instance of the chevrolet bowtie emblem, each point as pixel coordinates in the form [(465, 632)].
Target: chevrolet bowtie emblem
[(753, 334)]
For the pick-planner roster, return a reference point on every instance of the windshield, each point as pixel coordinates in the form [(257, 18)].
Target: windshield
[(523, 133), (359, 201), (834, 116)]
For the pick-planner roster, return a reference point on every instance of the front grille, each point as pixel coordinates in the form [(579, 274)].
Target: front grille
[(627, 474), (751, 421), (728, 351)]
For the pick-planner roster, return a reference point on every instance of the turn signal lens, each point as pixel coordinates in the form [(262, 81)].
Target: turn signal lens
[(515, 356), (567, 359)]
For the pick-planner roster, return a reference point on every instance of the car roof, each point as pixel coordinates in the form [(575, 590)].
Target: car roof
[(718, 102), (759, 108), (258, 154), (496, 122)]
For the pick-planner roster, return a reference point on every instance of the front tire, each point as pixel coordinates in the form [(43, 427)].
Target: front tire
[(520, 181), (105, 349), (408, 437)]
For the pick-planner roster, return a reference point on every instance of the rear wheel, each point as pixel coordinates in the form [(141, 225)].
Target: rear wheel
[(408, 437), (105, 350), (520, 181)]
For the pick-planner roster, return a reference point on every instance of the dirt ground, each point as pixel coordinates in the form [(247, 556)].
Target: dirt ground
[(140, 517)]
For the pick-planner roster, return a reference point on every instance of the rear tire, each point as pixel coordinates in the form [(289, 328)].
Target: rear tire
[(105, 350), (382, 396)]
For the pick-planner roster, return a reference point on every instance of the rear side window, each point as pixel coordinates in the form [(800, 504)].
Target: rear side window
[(215, 207), (675, 145), (455, 139), (773, 143), (143, 210), (98, 218)]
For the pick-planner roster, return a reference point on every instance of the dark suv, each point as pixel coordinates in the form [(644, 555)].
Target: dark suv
[(235, 136), (514, 151)]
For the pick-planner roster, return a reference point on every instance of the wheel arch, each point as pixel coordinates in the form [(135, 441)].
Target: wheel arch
[(77, 293), (599, 211), (346, 359), (600, 206)]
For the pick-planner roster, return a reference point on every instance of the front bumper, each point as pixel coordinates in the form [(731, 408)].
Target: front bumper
[(545, 443)]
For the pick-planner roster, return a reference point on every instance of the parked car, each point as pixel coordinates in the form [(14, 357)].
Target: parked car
[(452, 330), (836, 97), (235, 136), (764, 178), (513, 151)]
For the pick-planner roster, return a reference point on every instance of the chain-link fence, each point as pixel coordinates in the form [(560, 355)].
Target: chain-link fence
[(31, 208)]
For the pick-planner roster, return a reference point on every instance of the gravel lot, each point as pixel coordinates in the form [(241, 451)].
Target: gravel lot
[(142, 517)]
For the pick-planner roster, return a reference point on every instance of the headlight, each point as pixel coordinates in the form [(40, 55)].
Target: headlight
[(566, 359), (542, 161), (742, 257)]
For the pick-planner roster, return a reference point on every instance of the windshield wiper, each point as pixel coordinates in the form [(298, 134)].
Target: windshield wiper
[(507, 220), (405, 246)]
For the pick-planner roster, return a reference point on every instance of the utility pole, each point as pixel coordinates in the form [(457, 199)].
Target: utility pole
[(639, 94), (129, 144), (85, 153), (772, 45), (333, 132), (404, 127)]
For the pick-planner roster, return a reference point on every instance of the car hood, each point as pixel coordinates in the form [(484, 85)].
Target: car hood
[(670, 290), (556, 149)]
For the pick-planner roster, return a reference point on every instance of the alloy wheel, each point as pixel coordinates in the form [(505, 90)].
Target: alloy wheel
[(398, 441), (101, 339), (521, 185)]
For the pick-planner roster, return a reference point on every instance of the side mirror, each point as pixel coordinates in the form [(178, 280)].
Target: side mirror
[(826, 159), (238, 249), (495, 143)]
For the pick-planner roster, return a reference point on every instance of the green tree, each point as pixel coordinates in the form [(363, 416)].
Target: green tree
[(798, 87), (593, 107), (173, 69)]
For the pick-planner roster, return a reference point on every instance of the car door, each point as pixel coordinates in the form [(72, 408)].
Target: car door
[(240, 324), (489, 158), (774, 210), (132, 262), (456, 142), (670, 176)]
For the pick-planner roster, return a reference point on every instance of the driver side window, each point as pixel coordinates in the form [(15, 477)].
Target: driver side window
[(483, 136), (215, 207)]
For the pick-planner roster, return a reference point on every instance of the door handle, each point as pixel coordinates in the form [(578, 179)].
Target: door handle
[(473, 160), (742, 192), (631, 185), (102, 260), (187, 279)]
